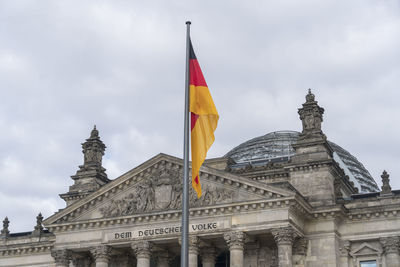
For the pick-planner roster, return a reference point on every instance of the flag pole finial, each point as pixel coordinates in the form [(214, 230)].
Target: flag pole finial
[(188, 22)]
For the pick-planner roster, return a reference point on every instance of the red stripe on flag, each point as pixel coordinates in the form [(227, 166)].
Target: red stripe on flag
[(196, 76), (196, 180), (193, 119)]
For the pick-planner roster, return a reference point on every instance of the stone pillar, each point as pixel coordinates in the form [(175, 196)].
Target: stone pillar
[(142, 253), (391, 249), (208, 256), (61, 257), (235, 242), (193, 250), (300, 252), (344, 249), (163, 258), (284, 238), (101, 255)]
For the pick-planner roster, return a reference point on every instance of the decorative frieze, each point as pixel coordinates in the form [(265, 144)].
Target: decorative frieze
[(235, 240), (163, 191)]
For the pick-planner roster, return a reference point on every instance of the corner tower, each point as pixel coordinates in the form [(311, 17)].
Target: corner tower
[(313, 170), (91, 175)]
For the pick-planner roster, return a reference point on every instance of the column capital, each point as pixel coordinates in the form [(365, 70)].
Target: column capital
[(235, 240), (193, 244), (142, 249), (390, 244), (61, 256), (284, 235), (101, 253)]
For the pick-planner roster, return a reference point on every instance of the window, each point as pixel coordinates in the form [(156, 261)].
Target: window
[(368, 263)]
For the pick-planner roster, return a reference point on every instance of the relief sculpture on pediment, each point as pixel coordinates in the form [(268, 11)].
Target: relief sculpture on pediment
[(162, 190)]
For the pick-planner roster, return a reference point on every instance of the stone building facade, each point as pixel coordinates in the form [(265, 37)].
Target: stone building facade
[(285, 199)]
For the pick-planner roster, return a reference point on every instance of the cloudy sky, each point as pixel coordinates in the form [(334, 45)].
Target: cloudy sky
[(67, 65)]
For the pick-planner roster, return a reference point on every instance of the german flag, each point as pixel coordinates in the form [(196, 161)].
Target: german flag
[(204, 118)]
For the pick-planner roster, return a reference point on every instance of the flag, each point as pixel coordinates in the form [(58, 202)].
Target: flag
[(204, 118)]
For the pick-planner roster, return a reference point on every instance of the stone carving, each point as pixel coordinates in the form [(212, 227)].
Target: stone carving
[(390, 244), (300, 246), (337, 187), (163, 191), (284, 235), (39, 227), (142, 249), (344, 248), (101, 253), (61, 256), (193, 244), (311, 117), (235, 240), (5, 232), (93, 148), (386, 188)]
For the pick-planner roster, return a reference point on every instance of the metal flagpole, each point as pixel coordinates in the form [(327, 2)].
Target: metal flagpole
[(185, 200)]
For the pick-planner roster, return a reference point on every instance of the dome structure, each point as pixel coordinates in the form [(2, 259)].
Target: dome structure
[(277, 147)]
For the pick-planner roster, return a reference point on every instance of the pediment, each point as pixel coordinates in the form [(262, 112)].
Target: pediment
[(365, 249), (156, 186)]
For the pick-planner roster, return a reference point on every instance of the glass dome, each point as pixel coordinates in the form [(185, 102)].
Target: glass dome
[(277, 147)]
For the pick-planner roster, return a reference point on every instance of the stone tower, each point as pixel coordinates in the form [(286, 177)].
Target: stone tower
[(91, 175), (313, 171)]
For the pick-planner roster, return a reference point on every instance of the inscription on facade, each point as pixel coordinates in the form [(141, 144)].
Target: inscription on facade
[(171, 229), (165, 230)]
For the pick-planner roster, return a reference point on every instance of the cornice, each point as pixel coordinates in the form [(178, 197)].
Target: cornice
[(175, 215), (26, 249)]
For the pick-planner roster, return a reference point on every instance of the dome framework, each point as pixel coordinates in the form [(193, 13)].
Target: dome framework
[(277, 147)]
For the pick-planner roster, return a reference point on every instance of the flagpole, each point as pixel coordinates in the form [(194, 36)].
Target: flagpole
[(185, 197)]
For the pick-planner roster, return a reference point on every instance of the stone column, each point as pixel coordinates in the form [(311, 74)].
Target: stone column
[(391, 248), (284, 238), (61, 257), (344, 249), (142, 252), (101, 255), (235, 242), (193, 250), (163, 258), (208, 256)]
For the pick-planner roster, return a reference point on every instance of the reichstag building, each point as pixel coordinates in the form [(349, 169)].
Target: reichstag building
[(282, 199)]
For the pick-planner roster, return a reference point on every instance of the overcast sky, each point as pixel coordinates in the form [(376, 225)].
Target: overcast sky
[(67, 65)]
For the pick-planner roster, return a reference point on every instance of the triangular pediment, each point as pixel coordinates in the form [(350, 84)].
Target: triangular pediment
[(365, 249), (156, 186)]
